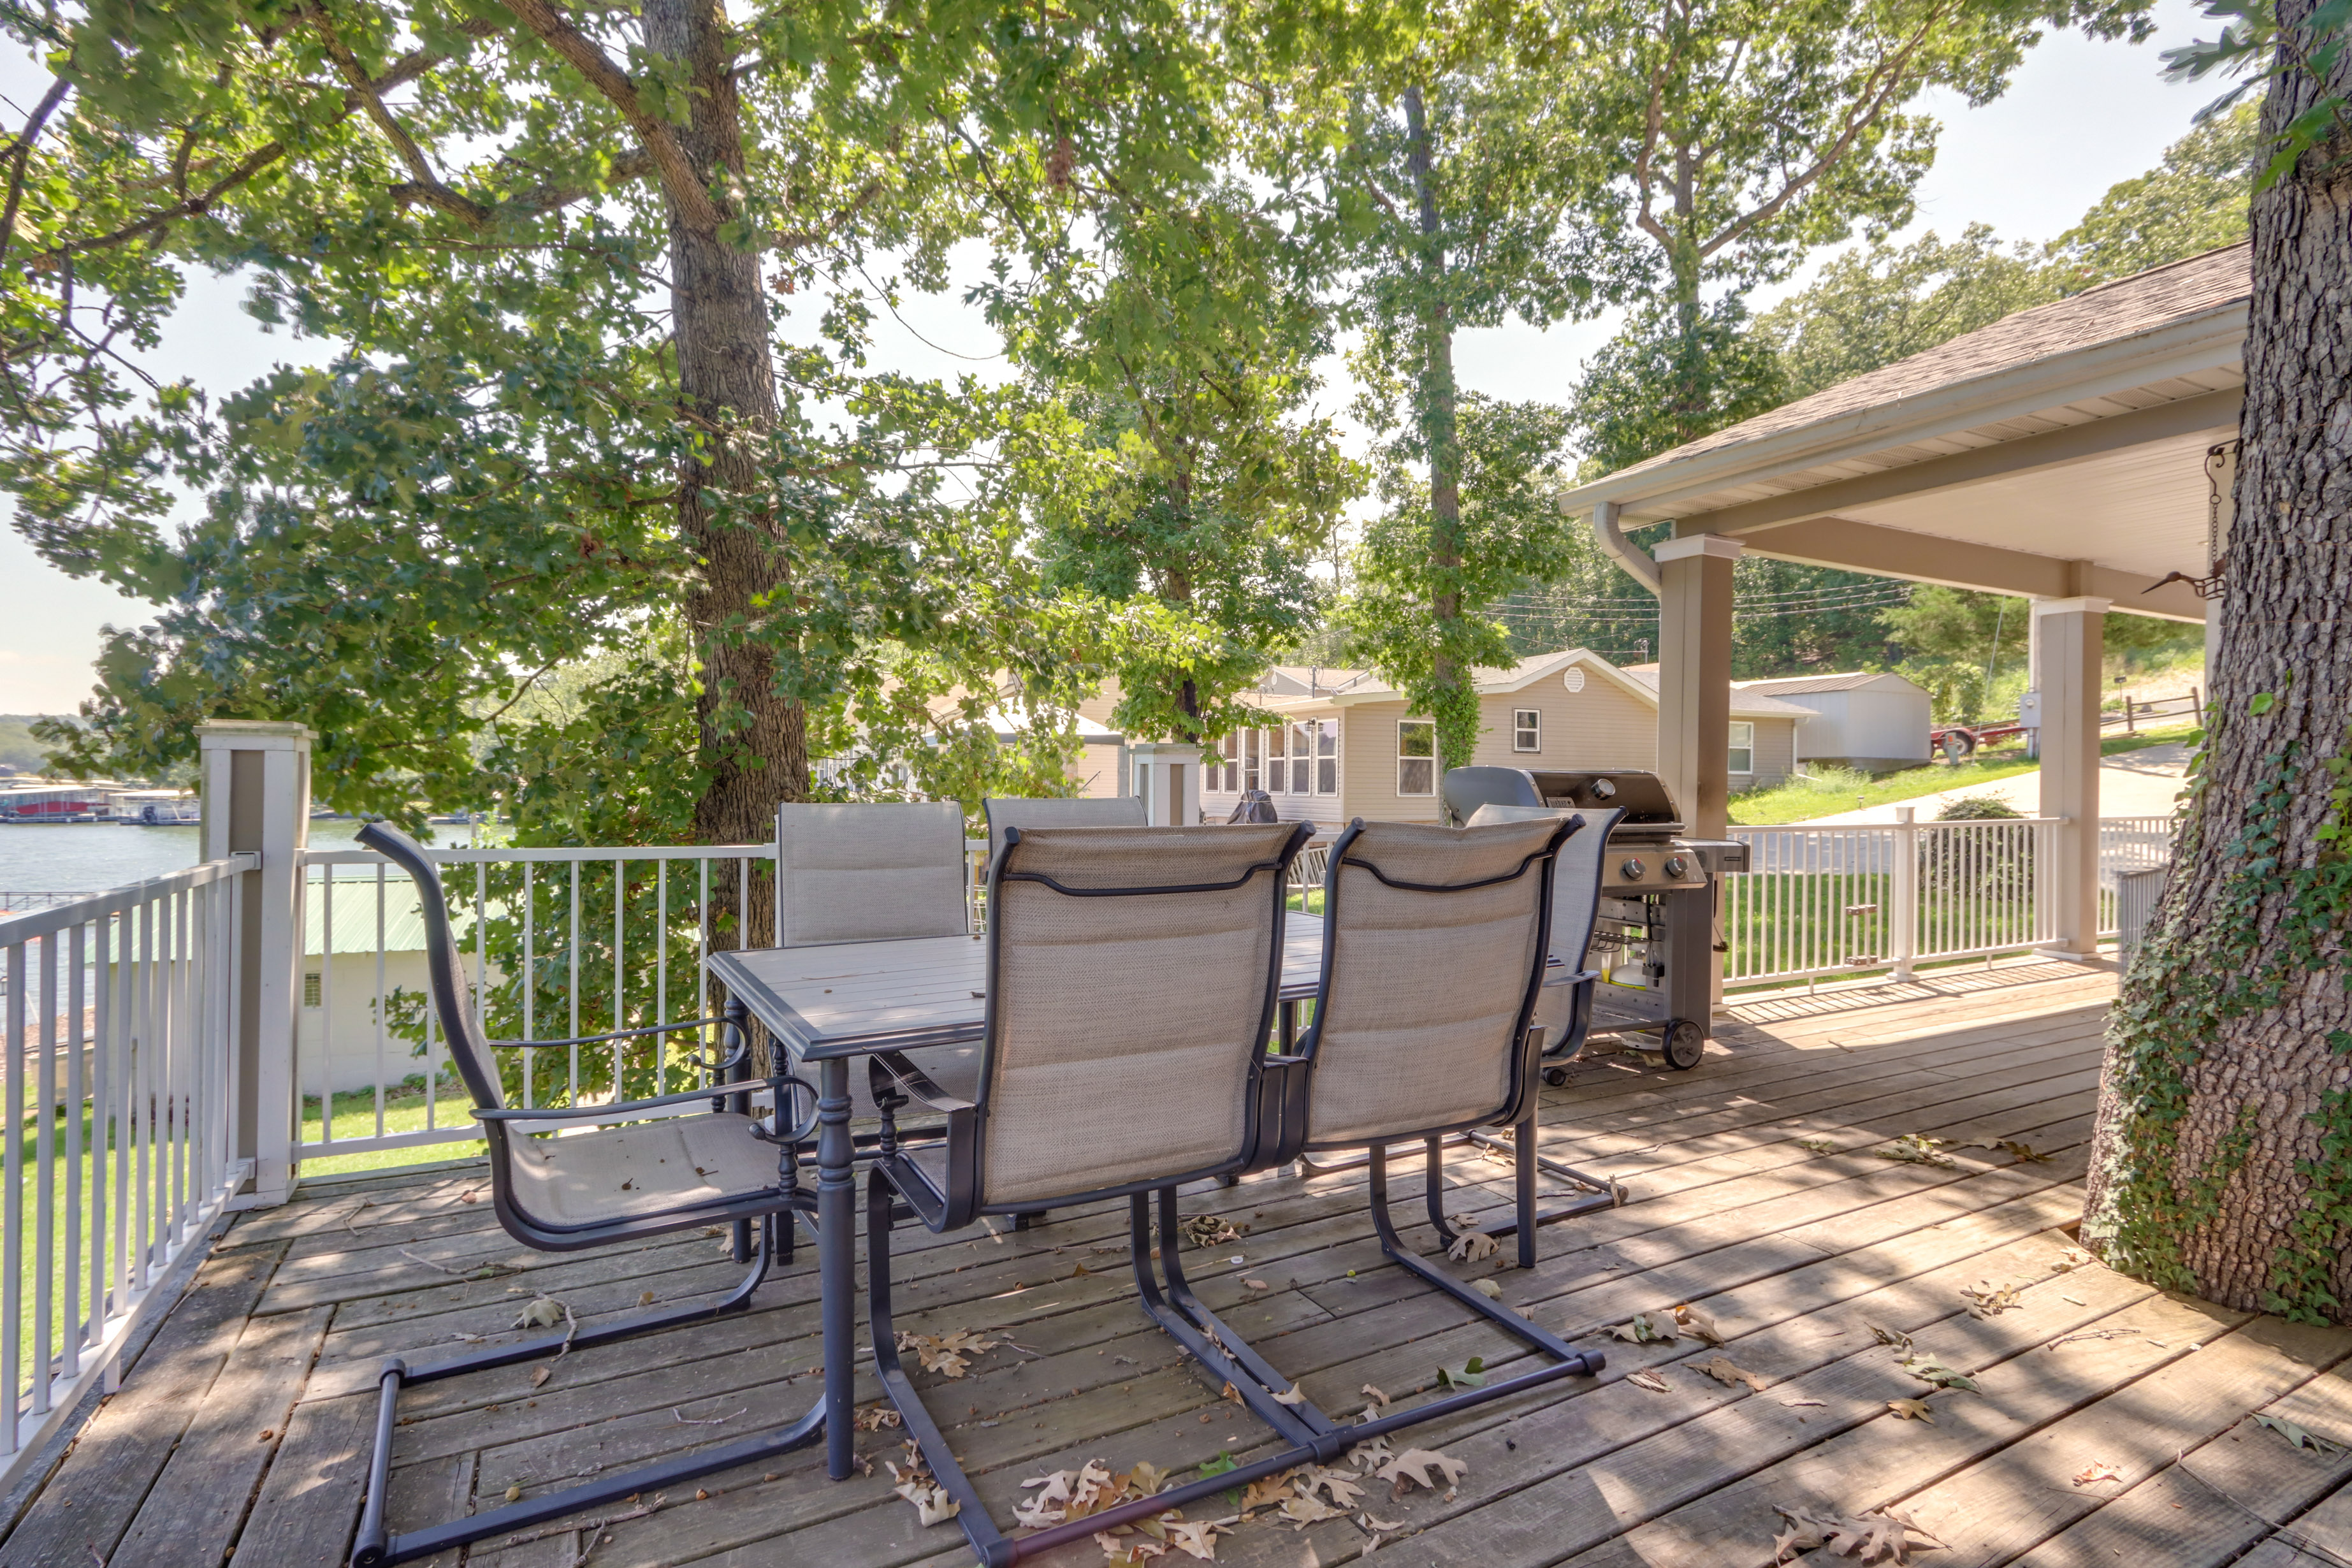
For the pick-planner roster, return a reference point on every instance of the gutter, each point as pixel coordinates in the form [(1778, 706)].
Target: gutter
[(1613, 544)]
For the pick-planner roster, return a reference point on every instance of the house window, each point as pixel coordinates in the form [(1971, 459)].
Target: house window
[(1302, 757), (1232, 751), (1416, 756), (1326, 758), (1250, 754), (1743, 747), (1277, 773), (1526, 730), (311, 989)]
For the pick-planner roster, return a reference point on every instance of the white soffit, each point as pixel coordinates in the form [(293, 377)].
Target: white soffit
[(2142, 509)]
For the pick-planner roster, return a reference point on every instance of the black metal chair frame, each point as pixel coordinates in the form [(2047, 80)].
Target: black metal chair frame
[(1527, 1159), (1275, 1131), (768, 1213)]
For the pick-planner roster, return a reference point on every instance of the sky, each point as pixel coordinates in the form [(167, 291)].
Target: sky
[(2079, 117)]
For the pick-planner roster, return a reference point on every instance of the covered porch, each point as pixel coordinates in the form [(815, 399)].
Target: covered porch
[(2076, 454)]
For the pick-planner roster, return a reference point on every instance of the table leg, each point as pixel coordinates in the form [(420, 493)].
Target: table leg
[(836, 1185)]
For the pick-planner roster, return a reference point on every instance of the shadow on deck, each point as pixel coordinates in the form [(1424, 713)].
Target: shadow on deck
[(243, 1428)]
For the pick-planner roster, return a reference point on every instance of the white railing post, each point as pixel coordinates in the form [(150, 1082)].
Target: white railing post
[(1903, 914), (257, 797)]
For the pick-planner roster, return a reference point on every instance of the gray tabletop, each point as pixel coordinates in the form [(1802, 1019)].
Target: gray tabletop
[(852, 998)]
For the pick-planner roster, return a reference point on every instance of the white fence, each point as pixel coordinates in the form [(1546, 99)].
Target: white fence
[(118, 1093), (1856, 898)]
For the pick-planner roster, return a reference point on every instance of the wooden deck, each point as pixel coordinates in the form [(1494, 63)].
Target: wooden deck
[(243, 1427)]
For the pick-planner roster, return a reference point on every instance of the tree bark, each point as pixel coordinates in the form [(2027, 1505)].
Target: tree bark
[(1441, 448), (753, 742), (2222, 1163)]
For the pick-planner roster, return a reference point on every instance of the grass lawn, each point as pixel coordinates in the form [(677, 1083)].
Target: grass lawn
[(1839, 790), (404, 1111)]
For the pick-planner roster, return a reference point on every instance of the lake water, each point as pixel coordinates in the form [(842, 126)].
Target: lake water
[(90, 857)]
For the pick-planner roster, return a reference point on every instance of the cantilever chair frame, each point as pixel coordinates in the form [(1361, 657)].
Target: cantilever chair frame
[(762, 1226), (1528, 1161), (1275, 1131)]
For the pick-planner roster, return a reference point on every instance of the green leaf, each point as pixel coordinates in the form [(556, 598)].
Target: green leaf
[(1471, 1373), (2260, 702)]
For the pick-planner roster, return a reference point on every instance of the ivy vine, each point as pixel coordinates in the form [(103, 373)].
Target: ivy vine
[(2192, 981)]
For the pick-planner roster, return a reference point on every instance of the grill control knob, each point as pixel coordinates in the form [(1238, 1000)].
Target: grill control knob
[(1677, 867), (1632, 870)]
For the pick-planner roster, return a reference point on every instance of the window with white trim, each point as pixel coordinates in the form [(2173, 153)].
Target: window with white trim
[(1526, 730), (1253, 747), (1326, 758), (1232, 750), (310, 988), (1302, 757), (1416, 756), (1743, 747), (1277, 772)]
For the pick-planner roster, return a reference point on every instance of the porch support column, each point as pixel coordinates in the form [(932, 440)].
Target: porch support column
[(257, 797), (1695, 678), (2070, 651), (1168, 777)]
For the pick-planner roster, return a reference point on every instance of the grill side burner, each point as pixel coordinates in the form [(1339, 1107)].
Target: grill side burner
[(1657, 922)]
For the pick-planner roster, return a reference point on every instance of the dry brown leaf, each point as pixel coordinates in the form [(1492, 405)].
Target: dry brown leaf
[(1882, 1537), (1374, 1394), (1414, 1464), (1699, 1322), (1645, 1378), (1340, 1485), (1256, 1285), (2073, 1257), (1646, 1327), (2097, 1470), (1128, 1550), (1268, 1491), (1291, 1397), (1912, 1409), (539, 1379), (1303, 1511), (1917, 1149), (1210, 1230), (543, 1312), (1488, 1289), (1724, 1371), (1197, 1538), (1473, 1246), (932, 1504), (948, 1354), (1987, 1300), (877, 1417)]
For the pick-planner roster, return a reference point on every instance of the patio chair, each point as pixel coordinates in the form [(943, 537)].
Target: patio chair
[(1069, 811), (621, 1172), (1565, 1007), (1133, 982), (1435, 949), (876, 872)]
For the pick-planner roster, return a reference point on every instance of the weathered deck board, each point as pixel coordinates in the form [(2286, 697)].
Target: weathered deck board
[(1794, 1249)]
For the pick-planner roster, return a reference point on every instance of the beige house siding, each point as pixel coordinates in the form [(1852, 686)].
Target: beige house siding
[(1602, 726), (1776, 753)]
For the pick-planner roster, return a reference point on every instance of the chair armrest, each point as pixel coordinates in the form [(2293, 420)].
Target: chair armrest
[(891, 1073), (619, 1111), (615, 1034)]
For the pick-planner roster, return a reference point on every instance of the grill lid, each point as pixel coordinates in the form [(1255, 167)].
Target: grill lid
[(1649, 809)]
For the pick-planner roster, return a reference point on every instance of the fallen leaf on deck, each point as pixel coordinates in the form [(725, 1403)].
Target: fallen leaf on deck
[(1648, 1327), (1488, 1289), (1208, 1230), (1303, 1511), (2073, 1257), (876, 1417), (539, 1378), (1339, 1486), (1882, 1537), (1912, 1409), (2297, 1436), (1793, 1402), (1917, 1149), (1130, 1552), (932, 1504), (1724, 1371), (514, 1493), (1371, 1453), (1291, 1397), (1197, 1538), (542, 1313), (1818, 1145), (1987, 1300), (1472, 1247), (1699, 1322), (644, 1298), (949, 1354), (2017, 1151), (1374, 1394), (1471, 1373), (1930, 1368), (1368, 1522), (1887, 1336), (1256, 1285), (1230, 1392), (2097, 1470), (1414, 1464), (1647, 1379)]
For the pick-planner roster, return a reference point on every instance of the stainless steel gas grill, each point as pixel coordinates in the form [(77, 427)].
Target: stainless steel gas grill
[(1657, 923)]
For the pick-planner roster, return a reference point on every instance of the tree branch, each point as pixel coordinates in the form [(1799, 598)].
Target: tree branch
[(575, 48), (20, 156)]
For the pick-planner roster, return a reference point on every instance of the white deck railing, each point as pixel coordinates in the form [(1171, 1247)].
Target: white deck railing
[(118, 1094)]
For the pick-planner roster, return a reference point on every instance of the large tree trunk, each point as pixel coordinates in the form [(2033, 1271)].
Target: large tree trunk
[(1441, 432), (753, 742), (2223, 1160)]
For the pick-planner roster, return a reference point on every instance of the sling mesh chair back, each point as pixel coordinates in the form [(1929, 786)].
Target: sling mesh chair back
[(1133, 974), (568, 1178), (1565, 1006), (1072, 810), (1434, 950), (886, 872)]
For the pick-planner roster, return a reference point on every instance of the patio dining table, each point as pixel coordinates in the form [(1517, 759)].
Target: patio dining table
[(830, 1005)]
